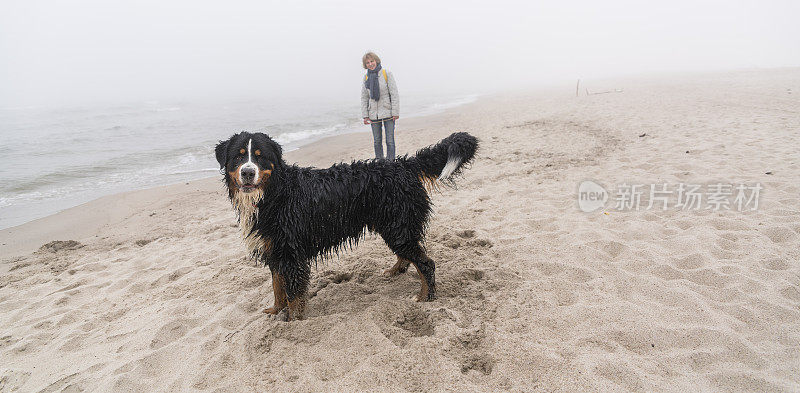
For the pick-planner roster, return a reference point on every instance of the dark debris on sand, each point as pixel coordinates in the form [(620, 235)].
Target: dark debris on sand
[(60, 245)]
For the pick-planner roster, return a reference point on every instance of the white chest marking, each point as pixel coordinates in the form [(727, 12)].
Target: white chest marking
[(246, 205)]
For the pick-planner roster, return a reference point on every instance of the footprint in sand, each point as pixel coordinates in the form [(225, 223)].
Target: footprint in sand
[(565, 297), (400, 325), (708, 277), (479, 362), (792, 293), (549, 268), (173, 276), (74, 343), (612, 248), (13, 379), (666, 272), (64, 385), (171, 332), (579, 275), (692, 261), (779, 234), (469, 350), (727, 224), (466, 233), (776, 264)]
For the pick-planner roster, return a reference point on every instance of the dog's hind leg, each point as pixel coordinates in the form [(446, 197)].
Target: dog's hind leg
[(399, 268), (426, 268), (297, 290), (405, 241), (297, 308)]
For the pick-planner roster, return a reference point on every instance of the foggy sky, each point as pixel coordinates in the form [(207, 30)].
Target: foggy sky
[(66, 52)]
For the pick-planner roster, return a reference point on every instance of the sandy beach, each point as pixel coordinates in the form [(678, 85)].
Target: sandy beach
[(152, 290)]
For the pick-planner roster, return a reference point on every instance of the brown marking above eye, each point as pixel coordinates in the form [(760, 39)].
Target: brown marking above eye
[(258, 152), (241, 151)]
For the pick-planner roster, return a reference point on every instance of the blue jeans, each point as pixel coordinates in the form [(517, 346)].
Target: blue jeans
[(376, 136)]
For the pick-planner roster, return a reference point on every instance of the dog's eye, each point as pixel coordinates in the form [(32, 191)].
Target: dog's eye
[(241, 151), (258, 152)]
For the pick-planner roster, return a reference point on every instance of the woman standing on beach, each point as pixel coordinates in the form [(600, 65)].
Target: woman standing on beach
[(380, 103)]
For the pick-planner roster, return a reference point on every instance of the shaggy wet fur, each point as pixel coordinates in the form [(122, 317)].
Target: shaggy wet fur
[(291, 216)]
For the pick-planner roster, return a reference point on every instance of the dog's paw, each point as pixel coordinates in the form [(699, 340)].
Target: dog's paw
[(425, 297), (282, 315), (273, 310)]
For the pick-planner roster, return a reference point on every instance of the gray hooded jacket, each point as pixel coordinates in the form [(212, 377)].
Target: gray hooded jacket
[(389, 103)]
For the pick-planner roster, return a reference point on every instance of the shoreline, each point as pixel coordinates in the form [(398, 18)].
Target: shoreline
[(27, 199)]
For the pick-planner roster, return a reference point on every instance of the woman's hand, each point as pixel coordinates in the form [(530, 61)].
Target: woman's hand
[(395, 117), (366, 120)]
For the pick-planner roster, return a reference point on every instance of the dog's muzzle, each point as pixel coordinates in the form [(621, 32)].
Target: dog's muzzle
[(249, 177)]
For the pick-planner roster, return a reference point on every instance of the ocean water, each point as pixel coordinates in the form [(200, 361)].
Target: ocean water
[(56, 158)]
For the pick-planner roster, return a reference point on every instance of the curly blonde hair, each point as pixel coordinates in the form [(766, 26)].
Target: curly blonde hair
[(369, 55)]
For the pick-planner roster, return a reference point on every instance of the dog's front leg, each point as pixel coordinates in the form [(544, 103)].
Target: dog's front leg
[(279, 292)]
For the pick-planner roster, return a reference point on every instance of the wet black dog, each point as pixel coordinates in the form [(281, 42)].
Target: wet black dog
[(291, 215)]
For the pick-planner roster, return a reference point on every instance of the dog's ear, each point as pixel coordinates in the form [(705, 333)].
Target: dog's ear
[(278, 149), (274, 146), (222, 153)]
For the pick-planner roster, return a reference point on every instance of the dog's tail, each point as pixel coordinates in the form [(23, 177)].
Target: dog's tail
[(445, 159)]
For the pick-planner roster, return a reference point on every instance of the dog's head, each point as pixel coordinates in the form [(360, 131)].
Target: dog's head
[(249, 160)]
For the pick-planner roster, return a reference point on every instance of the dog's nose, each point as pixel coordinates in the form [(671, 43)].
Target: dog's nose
[(248, 174)]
